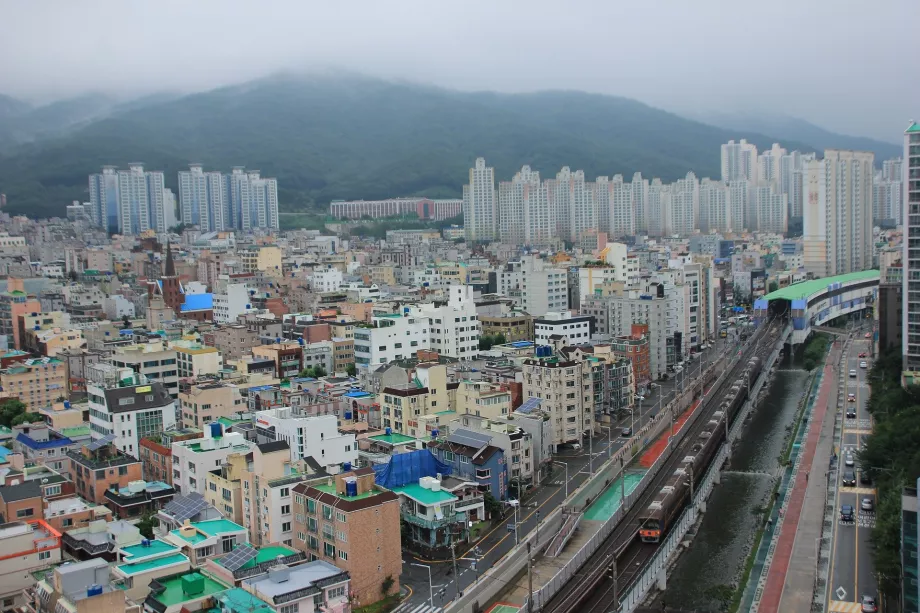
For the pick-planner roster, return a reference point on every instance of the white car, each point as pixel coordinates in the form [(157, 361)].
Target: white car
[(863, 364), (853, 373)]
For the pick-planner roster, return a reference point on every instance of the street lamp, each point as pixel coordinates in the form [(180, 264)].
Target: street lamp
[(516, 505), (430, 585), (609, 430), (564, 464)]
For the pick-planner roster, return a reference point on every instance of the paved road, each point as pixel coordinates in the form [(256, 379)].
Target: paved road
[(852, 571), (542, 501)]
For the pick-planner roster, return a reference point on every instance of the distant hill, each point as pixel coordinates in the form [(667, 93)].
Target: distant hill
[(798, 129), (330, 137)]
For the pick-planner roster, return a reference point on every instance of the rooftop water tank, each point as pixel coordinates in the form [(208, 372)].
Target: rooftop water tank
[(351, 487), (216, 429), (93, 590), (346, 467), (388, 431)]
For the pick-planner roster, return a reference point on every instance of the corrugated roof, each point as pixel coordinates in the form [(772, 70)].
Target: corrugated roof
[(809, 288)]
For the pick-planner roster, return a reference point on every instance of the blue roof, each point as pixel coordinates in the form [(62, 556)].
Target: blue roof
[(521, 344), (356, 394), (198, 302), (49, 444)]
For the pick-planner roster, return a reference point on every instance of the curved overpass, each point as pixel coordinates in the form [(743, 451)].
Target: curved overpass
[(817, 302)]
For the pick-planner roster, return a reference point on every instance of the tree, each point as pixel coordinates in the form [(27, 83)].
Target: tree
[(387, 585), (146, 524), (313, 372), (493, 506), (13, 412), (499, 339), (125, 322), (351, 370), (774, 286)]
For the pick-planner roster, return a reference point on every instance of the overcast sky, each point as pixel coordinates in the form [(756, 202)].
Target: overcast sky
[(847, 65)]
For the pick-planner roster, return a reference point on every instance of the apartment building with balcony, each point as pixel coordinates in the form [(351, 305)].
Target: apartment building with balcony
[(350, 521), (566, 391), (28, 547), (482, 399), (267, 503), (224, 489), (390, 337), (432, 518), (36, 382), (96, 469), (202, 540), (521, 461), (205, 403), (194, 459), (287, 357), (78, 587), (472, 458)]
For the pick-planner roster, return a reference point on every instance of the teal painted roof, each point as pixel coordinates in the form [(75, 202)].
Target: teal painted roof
[(139, 552), (149, 565), (809, 288), (393, 439), (425, 496), (914, 127)]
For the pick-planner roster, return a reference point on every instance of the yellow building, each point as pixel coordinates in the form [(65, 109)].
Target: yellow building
[(343, 327), (223, 487), (409, 410), (265, 258), (37, 382), (193, 358), (53, 341), (208, 402), (383, 274), (483, 399)]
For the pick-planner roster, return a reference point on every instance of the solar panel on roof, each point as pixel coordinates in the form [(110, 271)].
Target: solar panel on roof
[(469, 438), (238, 557), (186, 507), (530, 405), (100, 443)]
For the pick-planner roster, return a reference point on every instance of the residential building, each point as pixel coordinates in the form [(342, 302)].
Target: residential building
[(353, 523), (81, 587), (203, 198), (453, 327), (253, 200), (36, 382), (202, 540), (224, 487), (392, 207), (288, 358), (28, 547), (516, 444), (739, 161), (635, 348), (14, 303), (535, 284), (482, 398), (837, 221), (152, 359), (432, 519), (156, 460), (566, 391), (194, 359), (562, 326), (231, 299), (72, 512), (193, 459), (910, 534), (313, 587), (205, 403), (264, 258), (128, 409), (267, 481), (128, 201), (480, 210), (390, 337), (473, 458), (185, 591), (316, 437), (523, 210), (911, 258)]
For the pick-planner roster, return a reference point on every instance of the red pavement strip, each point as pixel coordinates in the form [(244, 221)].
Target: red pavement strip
[(776, 577)]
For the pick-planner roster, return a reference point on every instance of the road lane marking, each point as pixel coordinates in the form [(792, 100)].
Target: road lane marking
[(841, 606)]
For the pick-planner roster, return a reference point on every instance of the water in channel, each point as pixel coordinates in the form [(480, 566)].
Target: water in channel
[(706, 573)]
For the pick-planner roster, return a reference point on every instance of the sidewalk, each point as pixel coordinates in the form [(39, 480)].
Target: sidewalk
[(791, 577)]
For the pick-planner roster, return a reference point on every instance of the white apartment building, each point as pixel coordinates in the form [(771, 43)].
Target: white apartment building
[(714, 211), (128, 201), (453, 327), (769, 165), (536, 287), (204, 198), (317, 436), (326, 279), (574, 203), (117, 306), (739, 161), (480, 214), (739, 205), (659, 208), (230, 300), (910, 318), (127, 406), (574, 330), (193, 459), (837, 224), (524, 211), (392, 337), (771, 209), (154, 360), (685, 206), (566, 393)]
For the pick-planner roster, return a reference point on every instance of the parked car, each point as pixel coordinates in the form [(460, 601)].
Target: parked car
[(868, 604), (867, 504), (847, 513), (849, 478), (863, 364)]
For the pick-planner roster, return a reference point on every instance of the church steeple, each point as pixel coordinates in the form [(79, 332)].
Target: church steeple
[(170, 265)]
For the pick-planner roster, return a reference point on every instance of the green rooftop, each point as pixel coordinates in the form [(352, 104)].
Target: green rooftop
[(139, 552), (173, 593), (425, 496), (149, 565), (75, 431), (809, 288), (267, 554), (239, 600), (228, 422), (392, 439), (914, 127), (207, 529), (330, 489)]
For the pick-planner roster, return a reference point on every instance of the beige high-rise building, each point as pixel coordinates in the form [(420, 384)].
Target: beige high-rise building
[(837, 215)]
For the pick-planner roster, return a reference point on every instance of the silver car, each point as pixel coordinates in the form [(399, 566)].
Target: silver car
[(867, 504)]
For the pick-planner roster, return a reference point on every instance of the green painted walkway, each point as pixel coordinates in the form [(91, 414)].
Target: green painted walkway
[(609, 501)]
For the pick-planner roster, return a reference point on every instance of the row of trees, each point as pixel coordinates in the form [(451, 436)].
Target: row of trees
[(13, 412), (892, 458), (487, 341)]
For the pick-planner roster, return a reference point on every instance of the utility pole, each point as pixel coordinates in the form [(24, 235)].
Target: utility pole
[(612, 570), (691, 483), (622, 484), (529, 581)]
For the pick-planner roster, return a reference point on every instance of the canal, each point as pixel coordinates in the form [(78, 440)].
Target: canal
[(706, 573)]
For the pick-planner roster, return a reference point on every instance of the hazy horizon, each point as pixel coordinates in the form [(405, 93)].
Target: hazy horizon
[(840, 69)]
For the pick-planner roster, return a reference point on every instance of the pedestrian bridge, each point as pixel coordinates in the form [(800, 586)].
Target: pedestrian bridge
[(811, 304)]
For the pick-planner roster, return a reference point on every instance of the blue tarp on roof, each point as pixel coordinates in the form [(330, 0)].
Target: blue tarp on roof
[(406, 468), (197, 302), (49, 444)]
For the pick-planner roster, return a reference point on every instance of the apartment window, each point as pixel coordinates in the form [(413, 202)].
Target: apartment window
[(329, 550), (44, 555), (311, 505), (289, 608), (285, 492), (483, 473), (53, 490), (340, 516), (285, 509), (343, 555), (327, 512), (286, 526), (25, 512), (335, 592)]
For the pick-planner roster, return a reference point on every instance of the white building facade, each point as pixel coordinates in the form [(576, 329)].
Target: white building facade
[(316, 436)]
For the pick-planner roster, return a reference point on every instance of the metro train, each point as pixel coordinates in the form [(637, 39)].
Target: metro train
[(675, 493)]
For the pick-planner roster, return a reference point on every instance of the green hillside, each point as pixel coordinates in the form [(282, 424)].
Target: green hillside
[(328, 138)]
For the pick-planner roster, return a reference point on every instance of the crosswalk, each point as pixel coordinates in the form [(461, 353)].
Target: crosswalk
[(409, 607)]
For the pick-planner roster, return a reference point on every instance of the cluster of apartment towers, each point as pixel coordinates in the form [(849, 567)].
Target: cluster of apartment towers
[(755, 193), (133, 201)]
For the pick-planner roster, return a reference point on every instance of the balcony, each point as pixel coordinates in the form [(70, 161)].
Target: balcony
[(468, 503), (433, 524)]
